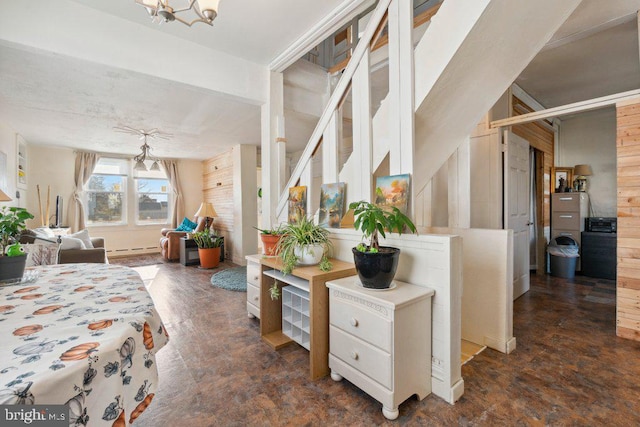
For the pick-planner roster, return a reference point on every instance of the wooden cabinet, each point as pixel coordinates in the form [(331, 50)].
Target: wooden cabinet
[(568, 211), (253, 285), (312, 280), (381, 340)]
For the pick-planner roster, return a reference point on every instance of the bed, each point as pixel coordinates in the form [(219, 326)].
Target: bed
[(84, 335)]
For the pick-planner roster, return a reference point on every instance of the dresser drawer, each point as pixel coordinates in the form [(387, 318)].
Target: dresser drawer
[(253, 295), (253, 273), (566, 202), (372, 362), (361, 323), (566, 221)]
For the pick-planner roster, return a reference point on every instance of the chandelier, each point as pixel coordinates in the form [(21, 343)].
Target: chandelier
[(205, 11), (145, 148)]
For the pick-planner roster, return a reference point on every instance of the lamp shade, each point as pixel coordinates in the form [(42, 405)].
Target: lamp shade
[(208, 5), (206, 211), (582, 170), (4, 197)]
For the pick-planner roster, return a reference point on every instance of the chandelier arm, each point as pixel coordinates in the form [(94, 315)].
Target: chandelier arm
[(188, 24), (191, 2)]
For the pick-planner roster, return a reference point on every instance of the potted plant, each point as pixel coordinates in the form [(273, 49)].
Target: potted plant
[(208, 248), (376, 265), (12, 259), (304, 243), (270, 238)]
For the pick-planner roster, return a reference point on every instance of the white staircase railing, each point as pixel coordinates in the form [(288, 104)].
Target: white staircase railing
[(370, 36)]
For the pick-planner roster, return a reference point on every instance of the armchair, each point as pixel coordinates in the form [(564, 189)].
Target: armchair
[(170, 241)]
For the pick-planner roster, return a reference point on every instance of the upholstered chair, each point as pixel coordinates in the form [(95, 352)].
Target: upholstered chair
[(170, 241)]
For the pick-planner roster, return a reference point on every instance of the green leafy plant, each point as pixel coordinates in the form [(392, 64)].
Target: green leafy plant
[(300, 234), (373, 221), (277, 231), (206, 240), (12, 222), (274, 291)]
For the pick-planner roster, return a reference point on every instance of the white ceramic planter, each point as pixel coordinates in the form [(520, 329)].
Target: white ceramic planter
[(309, 255)]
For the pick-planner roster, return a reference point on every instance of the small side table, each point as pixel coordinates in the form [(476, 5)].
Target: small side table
[(189, 252)]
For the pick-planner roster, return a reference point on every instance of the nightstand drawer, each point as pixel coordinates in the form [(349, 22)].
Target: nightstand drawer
[(374, 363), (361, 323), (253, 274), (566, 221), (253, 295)]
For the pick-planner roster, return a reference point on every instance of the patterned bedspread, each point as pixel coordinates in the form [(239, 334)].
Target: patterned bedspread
[(85, 335)]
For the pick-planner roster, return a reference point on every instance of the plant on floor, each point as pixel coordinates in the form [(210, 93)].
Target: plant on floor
[(12, 222), (206, 240), (303, 241), (376, 265)]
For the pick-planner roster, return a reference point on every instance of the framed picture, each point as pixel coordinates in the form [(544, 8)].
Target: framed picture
[(331, 204), (562, 178), (297, 203), (393, 191)]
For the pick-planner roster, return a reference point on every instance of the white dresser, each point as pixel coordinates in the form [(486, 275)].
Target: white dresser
[(381, 340), (254, 272)]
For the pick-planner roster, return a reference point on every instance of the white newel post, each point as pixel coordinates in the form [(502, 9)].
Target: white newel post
[(401, 88), (362, 131)]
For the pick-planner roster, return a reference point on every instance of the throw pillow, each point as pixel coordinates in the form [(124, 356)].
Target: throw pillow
[(68, 242), (84, 236), (41, 252), (187, 225), (44, 233)]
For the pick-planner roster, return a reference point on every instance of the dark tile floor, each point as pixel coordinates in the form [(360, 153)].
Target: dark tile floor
[(569, 368)]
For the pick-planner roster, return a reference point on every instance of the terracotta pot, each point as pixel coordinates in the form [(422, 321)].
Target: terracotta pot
[(269, 243), (209, 257)]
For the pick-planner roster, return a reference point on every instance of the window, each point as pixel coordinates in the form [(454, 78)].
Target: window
[(116, 193), (152, 194), (106, 193)]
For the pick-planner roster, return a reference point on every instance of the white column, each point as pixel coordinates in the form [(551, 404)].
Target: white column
[(362, 131), (273, 152), (245, 203), (401, 87)]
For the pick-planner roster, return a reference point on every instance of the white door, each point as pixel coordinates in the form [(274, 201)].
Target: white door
[(516, 193)]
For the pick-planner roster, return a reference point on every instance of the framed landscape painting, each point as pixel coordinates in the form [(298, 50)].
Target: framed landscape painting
[(331, 204), (393, 191), (297, 203)]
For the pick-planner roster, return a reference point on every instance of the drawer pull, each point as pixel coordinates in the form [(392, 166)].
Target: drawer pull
[(255, 298), (566, 198), (566, 234), (255, 277), (566, 216), (354, 355), (354, 322)]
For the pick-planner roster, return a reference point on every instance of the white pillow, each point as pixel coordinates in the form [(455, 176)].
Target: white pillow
[(44, 232), (84, 236), (68, 242), (41, 252)]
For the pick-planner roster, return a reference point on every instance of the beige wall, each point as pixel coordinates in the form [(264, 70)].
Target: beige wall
[(120, 240), (590, 138)]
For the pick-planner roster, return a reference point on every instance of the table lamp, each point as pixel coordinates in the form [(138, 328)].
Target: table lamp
[(581, 172), (207, 212), (4, 197)]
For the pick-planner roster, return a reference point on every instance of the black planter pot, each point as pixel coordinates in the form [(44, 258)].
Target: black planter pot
[(376, 271), (12, 267)]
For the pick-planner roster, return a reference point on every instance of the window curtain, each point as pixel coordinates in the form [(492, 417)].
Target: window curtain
[(85, 163), (171, 168)]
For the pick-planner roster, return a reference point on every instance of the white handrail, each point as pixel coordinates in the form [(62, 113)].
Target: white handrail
[(336, 97)]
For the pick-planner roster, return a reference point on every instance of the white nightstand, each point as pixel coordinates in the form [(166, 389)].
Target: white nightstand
[(381, 340)]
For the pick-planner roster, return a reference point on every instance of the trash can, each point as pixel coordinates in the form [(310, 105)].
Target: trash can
[(563, 257)]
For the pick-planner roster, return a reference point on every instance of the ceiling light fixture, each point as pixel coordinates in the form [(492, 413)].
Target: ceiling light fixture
[(146, 149), (205, 10)]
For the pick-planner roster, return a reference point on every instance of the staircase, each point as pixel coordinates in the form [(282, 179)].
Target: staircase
[(469, 55)]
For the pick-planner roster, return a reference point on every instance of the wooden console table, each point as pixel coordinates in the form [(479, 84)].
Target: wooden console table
[(271, 311)]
